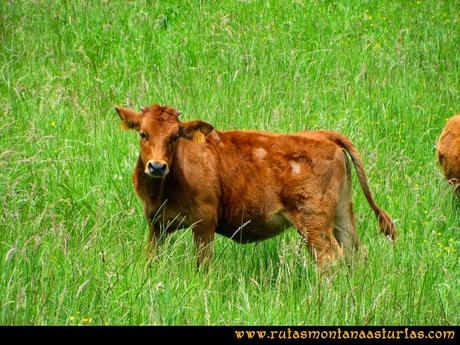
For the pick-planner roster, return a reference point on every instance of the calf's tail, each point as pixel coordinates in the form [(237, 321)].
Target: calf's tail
[(385, 223)]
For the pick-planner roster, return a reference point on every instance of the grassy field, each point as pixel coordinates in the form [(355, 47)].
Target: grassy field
[(385, 73)]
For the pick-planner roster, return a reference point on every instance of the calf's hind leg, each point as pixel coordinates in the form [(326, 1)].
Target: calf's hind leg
[(316, 229), (345, 231), (344, 220)]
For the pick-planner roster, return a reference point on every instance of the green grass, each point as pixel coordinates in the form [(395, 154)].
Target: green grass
[(385, 73)]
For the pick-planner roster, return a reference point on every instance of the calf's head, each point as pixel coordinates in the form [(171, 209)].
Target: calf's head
[(159, 132)]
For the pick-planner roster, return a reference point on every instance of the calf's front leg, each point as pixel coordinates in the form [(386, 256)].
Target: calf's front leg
[(154, 240), (155, 236), (203, 235)]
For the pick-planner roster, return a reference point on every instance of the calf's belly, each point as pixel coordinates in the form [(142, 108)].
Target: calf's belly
[(255, 229)]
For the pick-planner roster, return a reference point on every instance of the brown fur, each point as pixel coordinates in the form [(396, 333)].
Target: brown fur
[(248, 185), (448, 150)]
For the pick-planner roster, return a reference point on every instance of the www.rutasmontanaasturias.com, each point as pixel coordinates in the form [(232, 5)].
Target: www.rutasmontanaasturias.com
[(383, 334)]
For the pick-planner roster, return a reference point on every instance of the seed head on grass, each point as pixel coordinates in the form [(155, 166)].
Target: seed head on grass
[(10, 253), (82, 287)]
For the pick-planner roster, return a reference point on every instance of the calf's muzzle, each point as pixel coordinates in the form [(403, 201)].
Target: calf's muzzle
[(157, 168)]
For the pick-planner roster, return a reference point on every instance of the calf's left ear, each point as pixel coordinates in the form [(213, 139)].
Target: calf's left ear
[(195, 130), (130, 119)]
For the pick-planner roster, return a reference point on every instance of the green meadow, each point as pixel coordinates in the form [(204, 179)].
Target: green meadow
[(72, 232)]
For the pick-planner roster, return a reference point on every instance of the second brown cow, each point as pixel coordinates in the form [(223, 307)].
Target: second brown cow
[(448, 151), (247, 185)]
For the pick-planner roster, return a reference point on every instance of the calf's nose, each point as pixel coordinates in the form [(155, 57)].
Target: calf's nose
[(157, 167)]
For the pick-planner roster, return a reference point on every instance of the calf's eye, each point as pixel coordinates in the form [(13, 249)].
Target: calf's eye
[(143, 136)]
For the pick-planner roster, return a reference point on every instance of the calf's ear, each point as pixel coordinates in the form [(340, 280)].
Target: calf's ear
[(195, 130), (130, 119)]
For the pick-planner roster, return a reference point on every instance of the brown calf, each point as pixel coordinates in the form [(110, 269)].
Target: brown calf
[(247, 185), (448, 150)]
